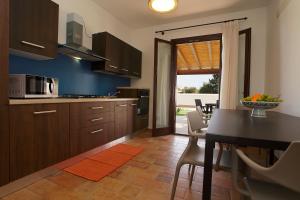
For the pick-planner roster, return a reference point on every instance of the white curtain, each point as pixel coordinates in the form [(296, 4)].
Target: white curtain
[(229, 80), (163, 85)]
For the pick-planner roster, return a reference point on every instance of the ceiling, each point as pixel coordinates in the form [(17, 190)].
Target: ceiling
[(136, 14), (198, 57)]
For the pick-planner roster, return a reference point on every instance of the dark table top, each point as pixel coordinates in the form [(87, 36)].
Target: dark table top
[(237, 125)]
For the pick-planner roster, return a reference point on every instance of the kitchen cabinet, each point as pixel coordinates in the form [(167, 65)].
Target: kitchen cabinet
[(123, 59), (121, 119), (39, 137), (4, 145), (131, 117), (34, 28), (91, 125)]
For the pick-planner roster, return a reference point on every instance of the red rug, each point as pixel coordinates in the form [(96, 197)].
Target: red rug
[(98, 166)]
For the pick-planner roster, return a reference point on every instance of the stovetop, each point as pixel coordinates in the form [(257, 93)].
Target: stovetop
[(80, 96)]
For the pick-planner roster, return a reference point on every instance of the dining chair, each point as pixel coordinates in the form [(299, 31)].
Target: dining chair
[(193, 155), (199, 106), (283, 177)]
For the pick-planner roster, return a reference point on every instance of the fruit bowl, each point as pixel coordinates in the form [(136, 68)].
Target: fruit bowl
[(260, 103), (259, 107)]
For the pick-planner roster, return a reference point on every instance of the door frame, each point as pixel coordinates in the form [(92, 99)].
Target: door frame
[(202, 38), (166, 130)]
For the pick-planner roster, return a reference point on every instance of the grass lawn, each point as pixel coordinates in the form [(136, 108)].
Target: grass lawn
[(182, 111)]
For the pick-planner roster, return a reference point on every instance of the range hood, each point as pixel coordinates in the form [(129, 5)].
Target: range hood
[(80, 53)]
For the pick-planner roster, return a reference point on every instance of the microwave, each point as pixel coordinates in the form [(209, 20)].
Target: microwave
[(32, 86)]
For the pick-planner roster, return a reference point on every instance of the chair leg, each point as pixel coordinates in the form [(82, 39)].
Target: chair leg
[(192, 175), (217, 166), (177, 172)]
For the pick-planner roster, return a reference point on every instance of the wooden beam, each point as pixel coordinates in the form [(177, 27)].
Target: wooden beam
[(198, 71), (210, 53), (181, 56), (193, 49)]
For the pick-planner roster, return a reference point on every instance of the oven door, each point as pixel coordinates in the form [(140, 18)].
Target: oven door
[(143, 105), (35, 85)]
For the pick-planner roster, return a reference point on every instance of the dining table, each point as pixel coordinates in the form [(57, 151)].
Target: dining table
[(237, 127)]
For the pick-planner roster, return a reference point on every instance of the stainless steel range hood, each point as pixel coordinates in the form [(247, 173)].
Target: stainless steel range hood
[(80, 53)]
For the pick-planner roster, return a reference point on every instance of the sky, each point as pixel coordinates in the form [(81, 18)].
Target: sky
[(192, 80)]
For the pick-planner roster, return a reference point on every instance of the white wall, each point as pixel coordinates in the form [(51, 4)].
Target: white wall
[(144, 40), (96, 19), (283, 67), (183, 99)]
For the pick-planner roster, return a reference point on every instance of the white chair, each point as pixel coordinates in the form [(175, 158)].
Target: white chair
[(284, 176), (193, 155)]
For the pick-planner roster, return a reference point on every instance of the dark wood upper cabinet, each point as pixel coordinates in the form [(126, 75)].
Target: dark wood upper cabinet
[(34, 28), (39, 137), (123, 59)]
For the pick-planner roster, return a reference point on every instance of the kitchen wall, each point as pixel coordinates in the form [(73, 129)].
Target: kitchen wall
[(282, 72), (256, 20), (76, 77), (96, 20)]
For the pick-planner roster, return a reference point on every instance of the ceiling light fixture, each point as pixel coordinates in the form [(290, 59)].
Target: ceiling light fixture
[(163, 6)]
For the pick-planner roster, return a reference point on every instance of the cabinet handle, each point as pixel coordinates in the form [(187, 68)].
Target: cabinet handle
[(123, 105), (97, 108), (97, 131), (123, 69), (111, 66), (136, 73), (32, 44), (97, 119), (134, 104), (44, 112)]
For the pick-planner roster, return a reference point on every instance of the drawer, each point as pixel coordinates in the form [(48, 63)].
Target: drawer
[(92, 137), (96, 118), (96, 107)]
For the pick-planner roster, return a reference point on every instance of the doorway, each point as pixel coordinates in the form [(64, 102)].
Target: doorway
[(198, 59)]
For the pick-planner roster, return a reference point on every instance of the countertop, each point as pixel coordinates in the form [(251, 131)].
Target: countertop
[(65, 100)]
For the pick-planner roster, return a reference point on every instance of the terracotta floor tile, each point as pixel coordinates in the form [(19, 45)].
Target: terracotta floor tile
[(130, 191), (23, 195), (43, 187), (67, 180)]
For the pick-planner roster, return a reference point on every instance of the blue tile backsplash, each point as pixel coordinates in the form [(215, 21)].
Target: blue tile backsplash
[(75, 77)]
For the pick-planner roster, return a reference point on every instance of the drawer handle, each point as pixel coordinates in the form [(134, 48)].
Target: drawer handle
[(32, 44), (97, 119), (97, 131), (123, 105), (111, 66), (44, 112), (123, 69), (97, 108)]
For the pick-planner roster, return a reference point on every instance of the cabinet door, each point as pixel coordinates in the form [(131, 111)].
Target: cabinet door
[(39, 137), (113, 47), (4, 145), (131, 117), (136, 62), (34, 27), (120, 119)]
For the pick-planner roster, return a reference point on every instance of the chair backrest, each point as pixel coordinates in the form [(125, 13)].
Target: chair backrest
[(198, 102), (286, 170), (195, 122)]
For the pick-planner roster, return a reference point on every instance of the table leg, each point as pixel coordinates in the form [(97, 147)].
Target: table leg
[(208, 167)]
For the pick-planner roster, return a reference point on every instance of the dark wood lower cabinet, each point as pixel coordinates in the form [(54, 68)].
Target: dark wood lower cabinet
[(39, 137), (91, 125), (121, 119), (4, 146), (131, 117)]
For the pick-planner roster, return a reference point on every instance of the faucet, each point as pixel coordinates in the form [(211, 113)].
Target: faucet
[(113, 94)]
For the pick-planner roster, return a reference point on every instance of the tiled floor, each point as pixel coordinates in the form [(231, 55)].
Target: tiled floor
[(148, 176)]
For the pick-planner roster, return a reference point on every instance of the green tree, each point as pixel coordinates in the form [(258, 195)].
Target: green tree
[(189, 90), (212, 87)]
